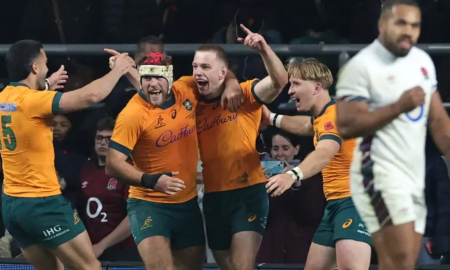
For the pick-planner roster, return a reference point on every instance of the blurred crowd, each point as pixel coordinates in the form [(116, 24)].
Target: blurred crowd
[(81, 139)]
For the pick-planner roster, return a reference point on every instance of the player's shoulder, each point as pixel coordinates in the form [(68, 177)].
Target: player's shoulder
[(133, 108), (357, 64), (327, 117), (248, 85), (420, 56)]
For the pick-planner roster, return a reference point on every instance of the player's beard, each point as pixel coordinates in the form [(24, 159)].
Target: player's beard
[(157, 99), (393, 45)]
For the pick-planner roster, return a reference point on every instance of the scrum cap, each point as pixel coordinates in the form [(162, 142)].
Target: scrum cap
[(157, 65)]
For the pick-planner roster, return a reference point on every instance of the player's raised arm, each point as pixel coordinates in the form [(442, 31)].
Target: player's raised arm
[(439, 124), (298, 125), (354, 117), (96, 91), (270, 87)]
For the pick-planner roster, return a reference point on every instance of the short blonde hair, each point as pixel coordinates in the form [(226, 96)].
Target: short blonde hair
[(311, 70)]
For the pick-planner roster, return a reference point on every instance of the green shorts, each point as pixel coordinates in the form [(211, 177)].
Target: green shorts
[(49, 221), (181, 223), (233, 211), (341, 221)]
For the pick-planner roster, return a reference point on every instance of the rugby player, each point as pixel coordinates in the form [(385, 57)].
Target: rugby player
[(157, 129), (341, 238), (235, 203), (34, 211), (388, 96)]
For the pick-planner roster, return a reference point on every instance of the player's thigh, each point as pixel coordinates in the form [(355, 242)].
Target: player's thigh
[(320, 257), (244, 248), (322, 254), (41, 258), (155, 253), (147, 219), (190, 258), (77, 253), (353, 254), (52, 223), (15, 214), (249, 208), (217, 223), (188, 236), (395, 222), (352, 240)]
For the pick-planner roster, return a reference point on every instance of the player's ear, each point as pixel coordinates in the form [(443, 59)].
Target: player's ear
[(34, 68), (223, 72)]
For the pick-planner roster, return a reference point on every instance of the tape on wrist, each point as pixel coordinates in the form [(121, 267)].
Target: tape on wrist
[(275, 119), (47, 84), (296, 174)]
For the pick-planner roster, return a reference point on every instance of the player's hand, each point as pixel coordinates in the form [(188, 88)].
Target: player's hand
[(114, 54), (253, 40), (169, 185), (232, 97), (58, 79), (411, 99), (279, 184), (98, 248), (122, 64)]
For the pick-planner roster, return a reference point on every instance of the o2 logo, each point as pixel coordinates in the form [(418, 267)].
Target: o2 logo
[(98, 212), (416, 114)]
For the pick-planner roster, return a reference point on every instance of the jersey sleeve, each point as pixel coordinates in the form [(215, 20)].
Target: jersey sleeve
[(353, 82), (327, 129), (248, 89), (126, 133), (41, 104)]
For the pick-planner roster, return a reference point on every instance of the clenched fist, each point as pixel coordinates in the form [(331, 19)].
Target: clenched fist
[(411, 99)]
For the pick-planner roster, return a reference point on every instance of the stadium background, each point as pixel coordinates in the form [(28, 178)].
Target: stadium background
[(332, 50)]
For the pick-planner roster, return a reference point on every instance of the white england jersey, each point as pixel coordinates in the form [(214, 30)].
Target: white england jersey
[(395, 154)]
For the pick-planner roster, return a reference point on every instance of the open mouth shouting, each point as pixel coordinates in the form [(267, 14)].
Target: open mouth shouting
[(201, 83)]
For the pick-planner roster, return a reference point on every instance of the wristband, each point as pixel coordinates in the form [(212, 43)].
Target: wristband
[(150, 180), (47, 84), (275, 119), (296, 174)]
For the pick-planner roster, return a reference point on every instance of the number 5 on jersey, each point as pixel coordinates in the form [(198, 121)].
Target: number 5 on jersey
[(9, 138)]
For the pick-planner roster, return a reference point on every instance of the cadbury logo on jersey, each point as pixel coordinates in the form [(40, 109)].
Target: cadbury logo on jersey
[(8, 107), (169, 136), (203, 125)]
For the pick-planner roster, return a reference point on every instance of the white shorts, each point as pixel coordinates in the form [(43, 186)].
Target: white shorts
[(391, 207)]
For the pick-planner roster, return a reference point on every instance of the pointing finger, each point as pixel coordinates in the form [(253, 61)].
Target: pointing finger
[(111, 51), (246, 30)]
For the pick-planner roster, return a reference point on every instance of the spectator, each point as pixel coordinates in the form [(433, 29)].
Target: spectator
[(146, 45), (102, 204), (293, 216), (67, 162), (436, 238)]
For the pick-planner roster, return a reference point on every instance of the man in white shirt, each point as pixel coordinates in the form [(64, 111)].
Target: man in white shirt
[(387, 96)]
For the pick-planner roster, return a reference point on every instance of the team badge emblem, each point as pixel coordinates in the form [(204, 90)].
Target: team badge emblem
[(424, 72), (112, 183), (328, 126), (188, 105)]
